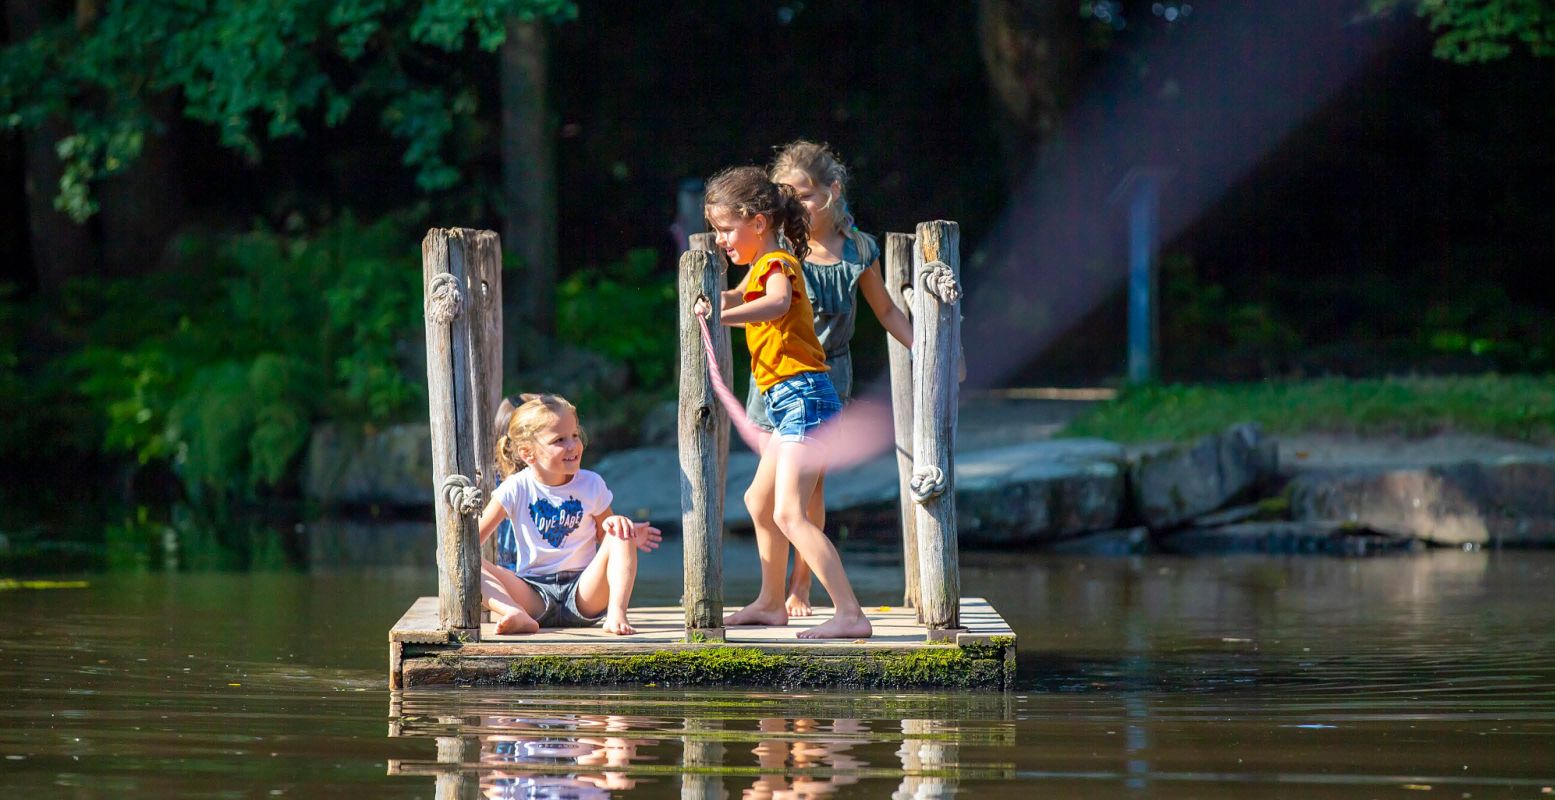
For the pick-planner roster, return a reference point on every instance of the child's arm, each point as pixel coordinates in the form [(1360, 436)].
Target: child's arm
[(770, 306), (609, 523), (491, 518), (891, 318)]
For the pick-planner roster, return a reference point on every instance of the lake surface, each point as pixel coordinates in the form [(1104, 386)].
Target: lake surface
[(1430, 674)]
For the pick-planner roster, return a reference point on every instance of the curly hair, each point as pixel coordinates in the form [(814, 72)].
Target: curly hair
[(748, 192), (522, 422), (820, 164)]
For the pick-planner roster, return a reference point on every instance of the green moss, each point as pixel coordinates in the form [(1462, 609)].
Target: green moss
[(980, 666)]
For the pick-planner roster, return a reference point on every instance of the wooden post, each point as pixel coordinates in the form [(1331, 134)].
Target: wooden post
[(898, 283), (448, 259), (485, 283), (936, 336), (702, 422), (721, 344)]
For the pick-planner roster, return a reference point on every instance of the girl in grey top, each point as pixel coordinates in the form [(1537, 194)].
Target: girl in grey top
[(842, 262)]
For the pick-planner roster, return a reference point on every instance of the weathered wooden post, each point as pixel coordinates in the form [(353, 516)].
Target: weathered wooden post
[(721, 345), (457, 302), (703, 433), (936, 337), (898, 283), (485, 282)]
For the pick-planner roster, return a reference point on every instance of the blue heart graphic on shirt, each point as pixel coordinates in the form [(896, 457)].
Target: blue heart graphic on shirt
[(555, 523)]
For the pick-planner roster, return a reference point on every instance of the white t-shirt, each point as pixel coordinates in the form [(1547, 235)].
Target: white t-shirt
[(553, 525)]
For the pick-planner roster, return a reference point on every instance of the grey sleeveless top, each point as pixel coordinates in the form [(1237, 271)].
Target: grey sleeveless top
[(833, 291)]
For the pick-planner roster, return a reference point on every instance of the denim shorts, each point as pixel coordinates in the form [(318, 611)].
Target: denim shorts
[(798, 405), (559, 592)]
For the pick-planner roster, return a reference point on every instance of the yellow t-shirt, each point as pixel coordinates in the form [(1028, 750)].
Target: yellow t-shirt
[(786, 346)]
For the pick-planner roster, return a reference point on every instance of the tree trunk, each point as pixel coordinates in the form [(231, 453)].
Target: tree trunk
[(528, 187), (143, 207), (1032, 50), (61, 249)]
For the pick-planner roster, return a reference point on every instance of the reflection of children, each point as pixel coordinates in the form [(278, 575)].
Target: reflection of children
[(747, 211), (610, 755), (575, 561), (842, 262)]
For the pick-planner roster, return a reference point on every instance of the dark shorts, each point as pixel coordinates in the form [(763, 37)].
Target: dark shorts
[(799, 405), (559, 592)]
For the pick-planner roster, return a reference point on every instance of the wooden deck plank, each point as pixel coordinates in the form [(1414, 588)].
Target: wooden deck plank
[(420, 624)]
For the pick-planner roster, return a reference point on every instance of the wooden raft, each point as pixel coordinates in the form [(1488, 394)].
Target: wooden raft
[(897, 656), (948, 642)]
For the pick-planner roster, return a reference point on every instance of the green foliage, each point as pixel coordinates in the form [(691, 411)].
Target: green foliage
[(1199, 319), (1476, 31), (249, 340), (253, 70), (1514, 407), (624, 310)]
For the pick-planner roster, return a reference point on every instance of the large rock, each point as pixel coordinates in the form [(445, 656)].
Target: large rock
[(1024, 493), (1505, 501), (1283, 537), (1172, 483), (388, 467), (1038, 492)]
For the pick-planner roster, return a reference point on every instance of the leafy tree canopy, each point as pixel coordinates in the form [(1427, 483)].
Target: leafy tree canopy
[(1476, 31), (252, 69)]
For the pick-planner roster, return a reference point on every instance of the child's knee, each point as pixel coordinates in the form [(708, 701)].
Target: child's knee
[(789, 516), (758, 502)]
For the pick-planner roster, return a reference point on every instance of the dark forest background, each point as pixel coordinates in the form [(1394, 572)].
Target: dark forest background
[(218, 295)]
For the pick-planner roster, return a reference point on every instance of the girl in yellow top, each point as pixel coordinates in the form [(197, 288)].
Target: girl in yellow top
[(788, 365)]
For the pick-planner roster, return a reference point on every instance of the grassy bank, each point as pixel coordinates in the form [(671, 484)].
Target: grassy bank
[(1513, 407)]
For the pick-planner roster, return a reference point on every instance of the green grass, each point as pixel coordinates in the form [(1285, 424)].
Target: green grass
[(1512, 407)]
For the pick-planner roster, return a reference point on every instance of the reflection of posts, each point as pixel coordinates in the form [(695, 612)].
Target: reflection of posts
[(456, 784), (703, 434), (920, 755), (898, 284), (700, 752), (936, 338)]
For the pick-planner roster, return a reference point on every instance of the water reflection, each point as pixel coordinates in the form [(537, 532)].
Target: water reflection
[(726, 744)]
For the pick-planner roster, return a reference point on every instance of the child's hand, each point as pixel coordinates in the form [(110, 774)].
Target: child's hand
[(618, 526), (702, 308), (647, 536)]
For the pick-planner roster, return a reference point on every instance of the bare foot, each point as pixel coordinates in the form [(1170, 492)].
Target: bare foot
[(840, 627), (798, 603), (757, 615), (517, 622), (618, 625)]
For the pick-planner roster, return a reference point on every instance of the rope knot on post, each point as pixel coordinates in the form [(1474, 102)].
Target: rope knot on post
[(444, 300), (928, 482), (462, 495), (940, 281)]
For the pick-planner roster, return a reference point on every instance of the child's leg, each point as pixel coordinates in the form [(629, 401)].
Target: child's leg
[(606, 584), (771, 548), (792, 488), (513, 601), (798, 602)]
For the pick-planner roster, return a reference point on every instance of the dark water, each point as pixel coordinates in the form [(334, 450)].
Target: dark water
[(1424, 675)]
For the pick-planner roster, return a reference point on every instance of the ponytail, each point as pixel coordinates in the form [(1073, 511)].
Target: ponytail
[(795, 224)]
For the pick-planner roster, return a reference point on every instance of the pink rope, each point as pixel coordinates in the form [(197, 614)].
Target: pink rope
[(859, 433), (754, 437)]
